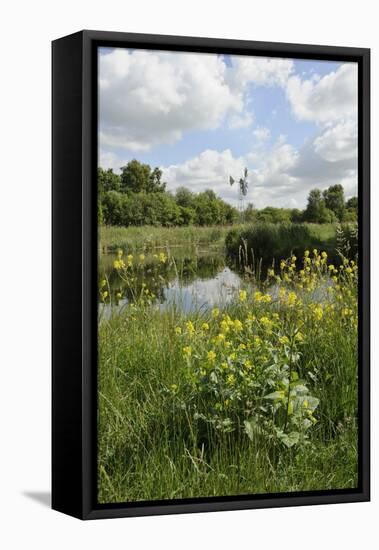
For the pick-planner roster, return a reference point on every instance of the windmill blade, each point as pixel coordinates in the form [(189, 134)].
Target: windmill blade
[(231, 180), (245, 172)]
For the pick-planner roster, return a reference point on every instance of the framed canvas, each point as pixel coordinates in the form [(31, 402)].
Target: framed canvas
[(210, 274)]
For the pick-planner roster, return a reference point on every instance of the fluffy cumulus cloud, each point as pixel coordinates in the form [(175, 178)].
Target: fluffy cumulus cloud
[(325, 100), (268, 174), (149, 98), (338, 142), (209, 170), (261, 71), (153, 98)]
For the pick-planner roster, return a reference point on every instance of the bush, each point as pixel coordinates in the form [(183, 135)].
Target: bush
[(266, 241)]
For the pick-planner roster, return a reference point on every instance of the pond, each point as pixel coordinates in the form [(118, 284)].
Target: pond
[(190, 279), (193, 278)]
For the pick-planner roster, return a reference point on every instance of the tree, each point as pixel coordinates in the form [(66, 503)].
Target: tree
[(335, 200), (351, 210), (296, 215), (184, 197), (107, 180), (138, 177)]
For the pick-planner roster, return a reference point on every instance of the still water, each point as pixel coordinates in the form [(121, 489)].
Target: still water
[(191, 279)]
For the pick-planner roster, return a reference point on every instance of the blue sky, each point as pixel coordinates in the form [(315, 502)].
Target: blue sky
[(200, 117)]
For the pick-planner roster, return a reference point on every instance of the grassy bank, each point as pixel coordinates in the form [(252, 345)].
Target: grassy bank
[(260, 397), (150, 237), (266, 241)]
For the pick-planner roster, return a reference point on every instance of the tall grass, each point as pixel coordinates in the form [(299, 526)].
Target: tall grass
[(157, 401), (265, 241), (149, 237)]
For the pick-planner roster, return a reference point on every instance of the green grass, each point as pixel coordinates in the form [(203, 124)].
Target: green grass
[(152, 446), (150, 237), (267, 241)]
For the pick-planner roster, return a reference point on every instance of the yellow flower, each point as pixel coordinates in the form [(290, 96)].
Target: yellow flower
[(187, 351), (238, 325), (324, 255), (284, 340), (142, 257), (299, 337), (118, 264), (331, 267), (318, 313), (230, 379), (266, 298), (119, 253), (190, 327), (205, 326), (291, 300), (257, 340), (315, 252), (211, 356), (270, 273), (103, 283), (224, 365), (242, 346), (242, 295), (282, 264), (293, 259), (257, 296), (174, 387), (224, 325), (306, 254), (119, 295), (247, 364), (215, 312), (220, 337), (178, 330), (266, 323), (162, 257)]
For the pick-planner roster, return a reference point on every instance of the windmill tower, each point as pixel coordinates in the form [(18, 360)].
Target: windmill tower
[(242, 190)]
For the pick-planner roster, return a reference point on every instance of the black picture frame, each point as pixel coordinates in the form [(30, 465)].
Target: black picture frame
[(74, 294)]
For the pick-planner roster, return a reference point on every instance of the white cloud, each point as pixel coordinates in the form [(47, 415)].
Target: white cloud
[(209, 170), (241, 121), (328, 99), (262, 134), (338, 142), (148, 98), (108, 159), (262, 71), (279, 176)]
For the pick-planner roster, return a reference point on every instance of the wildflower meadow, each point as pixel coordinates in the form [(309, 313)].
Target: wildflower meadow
[(255, 395)]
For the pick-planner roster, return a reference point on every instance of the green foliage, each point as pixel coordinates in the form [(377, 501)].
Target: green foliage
[(107, 180), (266, 241), (335, 200), (316, 210), (138, 177), (272, 409)]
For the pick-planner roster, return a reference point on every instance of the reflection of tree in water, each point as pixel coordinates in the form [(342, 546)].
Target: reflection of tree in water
[(157, 278)]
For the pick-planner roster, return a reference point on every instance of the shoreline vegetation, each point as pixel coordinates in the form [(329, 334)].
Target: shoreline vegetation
[(254, 395), (262, 240), (259, 396)]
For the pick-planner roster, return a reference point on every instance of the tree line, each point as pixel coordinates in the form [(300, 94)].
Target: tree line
[(138, 196)]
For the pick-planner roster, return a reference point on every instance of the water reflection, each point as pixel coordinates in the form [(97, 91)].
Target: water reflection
[(202, 293), (192, 279)]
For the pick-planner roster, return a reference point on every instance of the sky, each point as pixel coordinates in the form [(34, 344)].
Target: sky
[(204, 117)]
